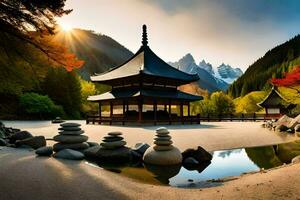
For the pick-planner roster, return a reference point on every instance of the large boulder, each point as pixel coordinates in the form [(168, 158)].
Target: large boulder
[(34, 142), (21, 135), (297, 128), (118, 156), (283, 120), (44, 151), (296, 159), (281, 128), (199, 154), (294, 122), (69, 154), (3, 142), (169, 157)]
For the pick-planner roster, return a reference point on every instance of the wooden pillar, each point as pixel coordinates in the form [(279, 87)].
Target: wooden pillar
[(189, 112), (155, 111), (111, 112), (165, 108), (170, 113), (127, 106), (100, 112), (140, 109), (181, 112), (123, 122)]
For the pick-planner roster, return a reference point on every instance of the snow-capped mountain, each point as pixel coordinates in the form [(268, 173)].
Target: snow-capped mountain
[(210, 79), (207, 79), (228, 73)]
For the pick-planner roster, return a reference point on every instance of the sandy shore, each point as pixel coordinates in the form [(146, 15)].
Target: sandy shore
[(23, 176)]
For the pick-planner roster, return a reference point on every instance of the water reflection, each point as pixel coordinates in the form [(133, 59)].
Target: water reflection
[(224, 163)]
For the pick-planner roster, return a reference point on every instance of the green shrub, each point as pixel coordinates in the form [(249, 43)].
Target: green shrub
[(40, 106)]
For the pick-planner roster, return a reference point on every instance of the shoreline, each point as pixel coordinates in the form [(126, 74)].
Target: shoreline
[(23, 176)]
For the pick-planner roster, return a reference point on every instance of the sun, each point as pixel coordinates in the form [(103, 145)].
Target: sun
[(65, 26)]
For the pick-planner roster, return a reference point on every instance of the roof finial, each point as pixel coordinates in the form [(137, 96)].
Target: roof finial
[(145, 38)]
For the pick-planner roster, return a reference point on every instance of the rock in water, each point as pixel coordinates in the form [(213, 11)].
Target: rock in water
[(34, 142), (200, 154), (162, 153), (69, 154), (141, 148), (44, 151), (113, 150), (21, 135)]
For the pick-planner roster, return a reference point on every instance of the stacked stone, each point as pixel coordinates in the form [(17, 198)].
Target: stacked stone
[(112, 141), (163, 140), (163, 152), (70, 137)]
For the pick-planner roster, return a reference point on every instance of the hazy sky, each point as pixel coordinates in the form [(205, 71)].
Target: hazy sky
[(236, 32)]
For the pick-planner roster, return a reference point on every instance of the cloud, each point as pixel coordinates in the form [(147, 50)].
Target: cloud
[(236, 32)]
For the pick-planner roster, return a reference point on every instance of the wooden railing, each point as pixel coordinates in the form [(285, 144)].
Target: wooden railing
[(176, 119)]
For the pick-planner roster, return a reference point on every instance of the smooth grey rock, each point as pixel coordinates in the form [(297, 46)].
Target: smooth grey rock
[(113, 145), (3, 142), (92, 144), (200, 154), (70, 124), (171, 157), (190, 162), (162, 131), (91, 152), (163, 143), (69, 154), (70, 129), (296, 159), (71, 132), (115, 133), (119, 155), (281, 128), (112, 138), (21, 135), (34, 142), (78, 146), (141, 148), (44, 151), (163, 148), (70, 139)]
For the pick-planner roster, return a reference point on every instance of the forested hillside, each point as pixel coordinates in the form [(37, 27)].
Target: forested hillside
[(274, 63), (34, 86), (99, 52)]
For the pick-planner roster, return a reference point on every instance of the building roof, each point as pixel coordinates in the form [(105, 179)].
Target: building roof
[(131, 93), (145, 62), (274, 100)]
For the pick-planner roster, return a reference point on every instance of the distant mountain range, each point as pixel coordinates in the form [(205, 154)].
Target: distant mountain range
[(209, 79), (101, 52)]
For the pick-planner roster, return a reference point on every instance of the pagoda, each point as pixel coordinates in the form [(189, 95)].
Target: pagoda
[(144, 81), (275, 105)]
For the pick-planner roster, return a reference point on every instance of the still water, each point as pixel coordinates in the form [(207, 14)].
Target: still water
[(224, 163)]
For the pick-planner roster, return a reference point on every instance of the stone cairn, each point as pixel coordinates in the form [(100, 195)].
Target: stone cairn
[(70, 137), (112, 141), (162, 152)]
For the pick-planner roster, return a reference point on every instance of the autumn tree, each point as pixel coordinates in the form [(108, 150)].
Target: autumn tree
[(33, 22), (291, 80)]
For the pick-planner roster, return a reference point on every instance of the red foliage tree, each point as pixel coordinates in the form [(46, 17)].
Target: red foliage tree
[(291, 80)]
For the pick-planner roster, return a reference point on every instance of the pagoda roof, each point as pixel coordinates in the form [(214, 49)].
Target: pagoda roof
[(274, 100), (145, 63), (132, 93)]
